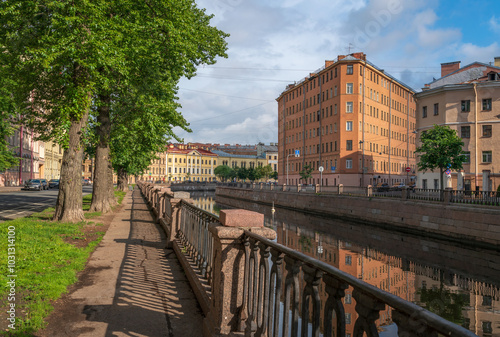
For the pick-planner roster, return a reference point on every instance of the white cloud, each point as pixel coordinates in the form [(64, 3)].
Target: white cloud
[(274, 43), (494, 24)]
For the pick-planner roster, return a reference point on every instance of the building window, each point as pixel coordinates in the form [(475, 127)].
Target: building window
[(487, 156), (350, 69), (348, 145), (465, 131), (348, 299), (348, 107), (424, 112), (424, 184), (467, 157), (348, 126), (486, 130), (436, 109), (349, 89), (348, 163), (348, 260), (466, 106), (486, 104)]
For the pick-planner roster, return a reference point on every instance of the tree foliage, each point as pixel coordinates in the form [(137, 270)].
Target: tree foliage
[(440, 148), (305, 173), (224, 172), (69, 58)]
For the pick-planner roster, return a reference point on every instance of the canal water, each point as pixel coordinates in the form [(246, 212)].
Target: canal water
[(458, 283)]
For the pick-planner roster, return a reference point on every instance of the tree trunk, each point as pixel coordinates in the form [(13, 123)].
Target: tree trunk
[(122, 180), (69, 200), (102, 194)]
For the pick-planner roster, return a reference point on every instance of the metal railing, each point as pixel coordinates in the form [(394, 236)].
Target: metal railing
[(470, 197), (274, 273), (282, 288), (433, 195), (196, 238)]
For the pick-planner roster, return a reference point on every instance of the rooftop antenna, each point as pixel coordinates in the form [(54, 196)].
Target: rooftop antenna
[(349, 48)]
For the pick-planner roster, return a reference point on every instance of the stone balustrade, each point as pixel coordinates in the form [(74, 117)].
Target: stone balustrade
[(249, 285)]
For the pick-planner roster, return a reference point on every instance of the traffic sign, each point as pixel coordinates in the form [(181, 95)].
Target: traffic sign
[(333, 168), (408, 169), (448, 171), (321, 169), (297, 153)]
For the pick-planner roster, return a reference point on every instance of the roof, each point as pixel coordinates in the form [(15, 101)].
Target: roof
[(349, 57), (175, 149), (470, 72), (230, 155)]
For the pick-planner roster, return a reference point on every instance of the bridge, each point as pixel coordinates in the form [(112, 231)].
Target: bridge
[(249, 285)]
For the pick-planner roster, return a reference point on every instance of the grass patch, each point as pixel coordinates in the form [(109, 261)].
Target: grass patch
[(119, 195), (46, 264)]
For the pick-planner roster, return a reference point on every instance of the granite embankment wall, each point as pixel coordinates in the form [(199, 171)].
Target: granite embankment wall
[(473, 225)]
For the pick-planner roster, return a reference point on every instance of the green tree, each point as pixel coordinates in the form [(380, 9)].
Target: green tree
[(224, 172), (150, 74), (274, 175), (440, 148), (73, 58), (305, 173), (254, 174), (265, 171), (241, 173)]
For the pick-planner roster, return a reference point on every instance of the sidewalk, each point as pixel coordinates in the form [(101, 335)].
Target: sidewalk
[(132, 285), (5, 189)]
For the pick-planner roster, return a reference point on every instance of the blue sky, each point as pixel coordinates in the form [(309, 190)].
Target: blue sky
[(273, 43)]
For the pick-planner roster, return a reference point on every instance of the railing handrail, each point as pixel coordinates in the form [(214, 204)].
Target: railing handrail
[(436, 322)]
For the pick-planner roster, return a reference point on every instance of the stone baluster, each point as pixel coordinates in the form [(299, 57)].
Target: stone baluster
[(172, 212), (368, 308), (336, 291), (229, 270), (312, 276), (275, 292), (291, 286)]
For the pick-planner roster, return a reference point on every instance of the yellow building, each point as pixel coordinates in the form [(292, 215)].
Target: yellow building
[(53, 160), (189, 162)]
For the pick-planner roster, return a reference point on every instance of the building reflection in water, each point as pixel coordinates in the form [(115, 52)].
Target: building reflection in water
[(461, 285)]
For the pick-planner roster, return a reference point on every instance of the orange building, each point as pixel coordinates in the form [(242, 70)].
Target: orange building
[(350, 118)]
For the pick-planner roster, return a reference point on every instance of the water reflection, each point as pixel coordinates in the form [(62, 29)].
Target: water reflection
[(457, 283)]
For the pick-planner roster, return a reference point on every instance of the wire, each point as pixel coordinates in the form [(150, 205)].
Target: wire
[(211, 93), (230, 113)]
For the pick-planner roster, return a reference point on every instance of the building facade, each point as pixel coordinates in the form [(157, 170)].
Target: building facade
[(467, 100), (53, 160), (188, 162), (349, 121), (31, 154)]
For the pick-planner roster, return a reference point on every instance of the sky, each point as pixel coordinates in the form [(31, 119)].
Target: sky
[(274, 43)]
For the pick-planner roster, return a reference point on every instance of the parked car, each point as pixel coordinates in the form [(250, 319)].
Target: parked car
[(398, 187), (86, 182), (33, 184), (45, 184), (53, 183), (382, 187)]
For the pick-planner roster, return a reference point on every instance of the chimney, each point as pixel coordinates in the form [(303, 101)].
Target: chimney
[(447, 68), (497, 61)]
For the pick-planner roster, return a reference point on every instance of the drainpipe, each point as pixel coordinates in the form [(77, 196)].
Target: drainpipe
[(475, 135), (21, 156), (363, 131)]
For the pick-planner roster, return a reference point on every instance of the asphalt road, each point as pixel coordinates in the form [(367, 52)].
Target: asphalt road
[(23, 203)]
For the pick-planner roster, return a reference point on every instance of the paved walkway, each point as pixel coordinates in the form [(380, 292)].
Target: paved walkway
[(132, 285)]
